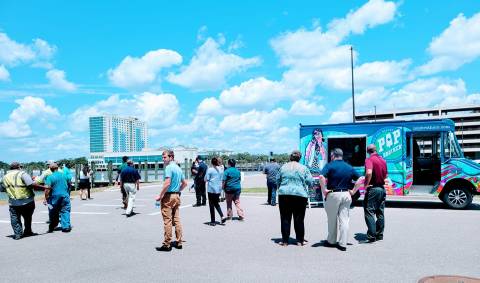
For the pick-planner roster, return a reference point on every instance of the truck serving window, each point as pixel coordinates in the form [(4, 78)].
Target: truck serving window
[(354, 149)]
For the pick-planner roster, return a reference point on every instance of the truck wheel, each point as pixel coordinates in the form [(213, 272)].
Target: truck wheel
[(457, 197)]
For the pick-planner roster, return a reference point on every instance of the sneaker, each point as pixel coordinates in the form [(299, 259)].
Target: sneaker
[(17, 237), (163, 248), (224, 219), (379, 238), (328, 245), (179, 246), (29, 234), (241, 218), (211, 223), (66, 230)]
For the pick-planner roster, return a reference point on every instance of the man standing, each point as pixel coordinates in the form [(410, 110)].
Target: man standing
[(336, 188), (122, 189), (199, 180), (173, 183), (271, 170), (19, 187), (374, 202), (58, 199), (130, 181)]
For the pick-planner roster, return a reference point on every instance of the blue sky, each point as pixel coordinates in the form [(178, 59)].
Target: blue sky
[(237, 75)]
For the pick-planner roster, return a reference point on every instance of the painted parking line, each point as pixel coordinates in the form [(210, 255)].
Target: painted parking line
[(159, 212), (109, 205), (33, 222), (84, 212)]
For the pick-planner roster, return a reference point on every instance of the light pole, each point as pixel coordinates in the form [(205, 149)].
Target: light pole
[(353, 86)]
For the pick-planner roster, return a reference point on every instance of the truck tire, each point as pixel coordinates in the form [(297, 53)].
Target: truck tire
[(457, 197)]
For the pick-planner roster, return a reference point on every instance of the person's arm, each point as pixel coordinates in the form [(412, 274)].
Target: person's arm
[(323, 181), (137, 183), (368, 172), (166, 184), (183, 185)]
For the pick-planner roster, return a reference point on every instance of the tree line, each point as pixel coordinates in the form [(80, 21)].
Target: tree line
[(35, 165)]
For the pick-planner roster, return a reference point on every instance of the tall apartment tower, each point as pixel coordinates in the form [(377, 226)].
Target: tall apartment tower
[(117, 134)]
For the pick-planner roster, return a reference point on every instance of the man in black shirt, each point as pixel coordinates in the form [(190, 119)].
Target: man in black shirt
[(200, 182)]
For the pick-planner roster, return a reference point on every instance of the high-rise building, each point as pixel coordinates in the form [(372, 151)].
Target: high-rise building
[(117, 134)]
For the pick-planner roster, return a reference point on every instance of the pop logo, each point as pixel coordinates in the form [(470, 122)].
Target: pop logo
[(389, 143)]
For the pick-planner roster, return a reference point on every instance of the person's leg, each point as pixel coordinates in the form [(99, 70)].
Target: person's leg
[(369, 209), (216, 203), (16, 221), (274, 195), (88, 190), (53, 213), (198, 193), (176, 219), (124, 197), (131, 192), (204, 193), (65, 214), (269, 193), (27, 216), (331, 208), (300, 205), (167, 219), (236, 200), (228, 199), (344, 219), (380, 224), (211, 205), (284, 205)]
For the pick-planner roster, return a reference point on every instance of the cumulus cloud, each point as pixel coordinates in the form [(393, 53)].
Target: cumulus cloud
[(13, 53), (133, 71), (58, 80), (253, 120), (210, 67), (457, 45), (210, 106), (29, 108), (4, 74), (306, 108), (158, 110), (318, 57)]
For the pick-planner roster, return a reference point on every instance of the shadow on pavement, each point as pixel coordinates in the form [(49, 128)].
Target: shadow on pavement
[(419, 205)]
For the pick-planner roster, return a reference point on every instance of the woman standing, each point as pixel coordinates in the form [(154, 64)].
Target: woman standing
[(232, 187), (293, 181), (213, 180), (315, 153), (84, 184)]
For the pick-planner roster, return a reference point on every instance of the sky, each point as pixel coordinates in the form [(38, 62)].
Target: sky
[(235, 75)]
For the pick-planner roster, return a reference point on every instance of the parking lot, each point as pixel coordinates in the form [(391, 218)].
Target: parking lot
[(421, 239)]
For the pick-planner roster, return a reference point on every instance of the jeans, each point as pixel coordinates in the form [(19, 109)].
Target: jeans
[(235, 197), (131, 190), (272, 192), (374, 206), (292, 206), (16, 214), (200, 192), (170, 207), (213, 203), (60, 206)]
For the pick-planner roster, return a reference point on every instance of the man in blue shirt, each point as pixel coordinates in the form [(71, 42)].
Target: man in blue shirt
[(336, 188), (200, 190), (58, 199), (173, 183), (232, 187), (130, 181), (271, 170)]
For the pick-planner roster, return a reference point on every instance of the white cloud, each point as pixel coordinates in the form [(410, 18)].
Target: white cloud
[(58, 80), (134, 71), (4, 74), (13, 53), (305, 108), (316, 57), (210, 67), (158, 110), (253, 92), (29, 108), (457, 45), (210, 106), (253, 120), (340, 117)]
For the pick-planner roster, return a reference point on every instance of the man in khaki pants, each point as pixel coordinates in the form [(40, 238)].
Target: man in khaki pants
[(336, 188), (173, 183)]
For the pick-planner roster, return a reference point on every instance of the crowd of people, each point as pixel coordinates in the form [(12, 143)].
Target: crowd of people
[(290, 182)]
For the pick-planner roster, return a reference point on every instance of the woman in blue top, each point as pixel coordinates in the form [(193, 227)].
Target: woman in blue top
[(213, 180), (293, 181), (231, 185)]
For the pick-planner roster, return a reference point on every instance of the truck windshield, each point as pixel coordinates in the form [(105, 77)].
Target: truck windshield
[(451, 147)]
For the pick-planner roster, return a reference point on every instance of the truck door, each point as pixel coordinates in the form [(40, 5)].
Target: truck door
[(423, 156)]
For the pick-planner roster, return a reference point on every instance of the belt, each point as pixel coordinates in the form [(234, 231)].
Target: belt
[(339, 190), (172, 193)]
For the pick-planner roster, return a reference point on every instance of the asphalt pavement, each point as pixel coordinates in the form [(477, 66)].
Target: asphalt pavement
[(421, 239)]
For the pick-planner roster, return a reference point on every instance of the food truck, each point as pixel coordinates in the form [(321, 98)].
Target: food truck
[(423, 156)]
